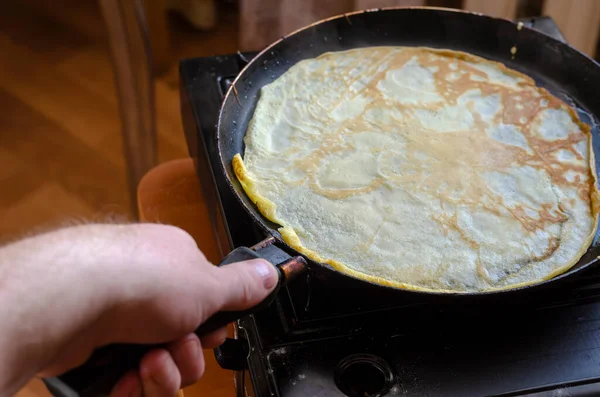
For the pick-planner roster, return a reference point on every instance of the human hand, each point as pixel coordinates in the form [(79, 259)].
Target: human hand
[(65, 293)]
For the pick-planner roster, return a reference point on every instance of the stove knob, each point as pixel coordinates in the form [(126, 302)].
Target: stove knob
[(233, 354)]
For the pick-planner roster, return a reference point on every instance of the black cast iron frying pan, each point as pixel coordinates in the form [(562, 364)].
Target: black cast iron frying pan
[(564, 71)]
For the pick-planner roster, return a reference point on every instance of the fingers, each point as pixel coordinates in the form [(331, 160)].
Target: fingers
[(214, 339), (129, 386), (159, 374), (164, 371), (245, 284), (187, 356)]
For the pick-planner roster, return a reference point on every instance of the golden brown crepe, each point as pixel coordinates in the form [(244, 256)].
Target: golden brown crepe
[(422, 169)]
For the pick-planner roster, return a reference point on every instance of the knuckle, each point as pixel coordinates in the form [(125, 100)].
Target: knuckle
[(174, 382), (184, 236), (183, 239)]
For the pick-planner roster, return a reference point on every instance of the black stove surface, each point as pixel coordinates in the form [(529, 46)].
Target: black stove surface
[(324, 337)]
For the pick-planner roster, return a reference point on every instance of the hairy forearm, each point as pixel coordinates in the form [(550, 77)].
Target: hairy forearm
[(37, 274), (65, 293)]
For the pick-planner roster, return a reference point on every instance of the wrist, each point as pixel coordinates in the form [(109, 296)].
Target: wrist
[(49, 289)]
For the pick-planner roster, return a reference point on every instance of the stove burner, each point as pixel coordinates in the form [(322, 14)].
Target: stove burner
[(324, 337), (363, 375)]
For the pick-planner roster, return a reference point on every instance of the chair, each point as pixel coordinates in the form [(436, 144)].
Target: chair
[(133, 70)]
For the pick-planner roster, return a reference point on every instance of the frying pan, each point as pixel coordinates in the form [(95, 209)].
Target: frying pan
[(564, 71)]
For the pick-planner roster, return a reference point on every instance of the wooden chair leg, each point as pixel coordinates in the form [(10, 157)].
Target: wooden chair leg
[(156, 12), (132, 66)]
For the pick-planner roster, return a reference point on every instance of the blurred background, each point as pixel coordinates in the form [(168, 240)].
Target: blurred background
[(61, 148), (89, 90)]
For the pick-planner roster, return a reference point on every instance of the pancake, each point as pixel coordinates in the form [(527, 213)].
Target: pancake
[(422, 169)]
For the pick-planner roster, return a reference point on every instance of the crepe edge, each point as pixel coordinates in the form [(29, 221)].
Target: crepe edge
[(268, 209)]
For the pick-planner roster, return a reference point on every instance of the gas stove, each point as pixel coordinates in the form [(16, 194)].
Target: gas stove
[(324, 337)]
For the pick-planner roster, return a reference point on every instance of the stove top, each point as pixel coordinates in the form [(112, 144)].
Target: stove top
[(324, 336)]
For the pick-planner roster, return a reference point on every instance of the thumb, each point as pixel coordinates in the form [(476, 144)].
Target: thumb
[(245, 284)]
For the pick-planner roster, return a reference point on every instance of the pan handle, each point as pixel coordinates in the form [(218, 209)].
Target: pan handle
[(97, 376)]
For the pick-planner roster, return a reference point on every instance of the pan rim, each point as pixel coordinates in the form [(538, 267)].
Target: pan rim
[(392, 8), (232, 90)]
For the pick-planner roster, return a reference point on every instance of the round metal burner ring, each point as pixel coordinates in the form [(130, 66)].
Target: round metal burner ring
[(363, 375)]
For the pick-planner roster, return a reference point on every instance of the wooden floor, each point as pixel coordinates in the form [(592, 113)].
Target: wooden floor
[(60, 145)]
